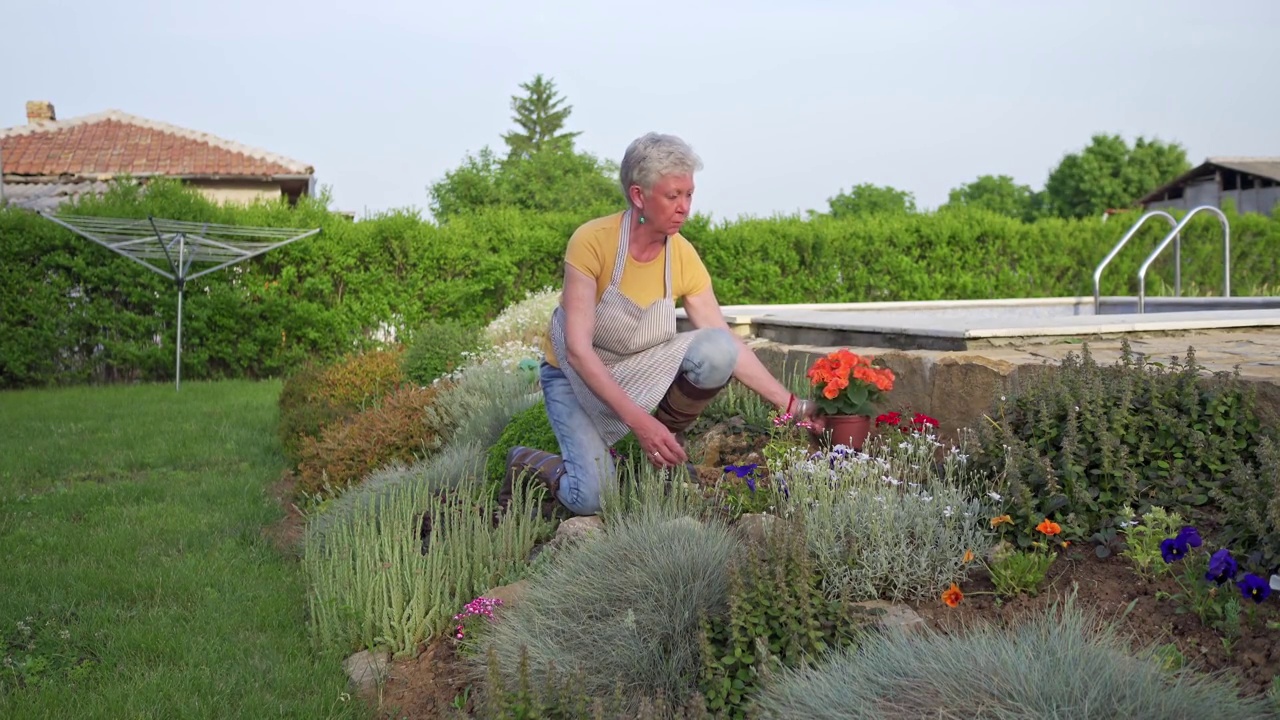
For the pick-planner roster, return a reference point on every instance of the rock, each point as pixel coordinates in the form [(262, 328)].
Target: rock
[(963, 387), (366, 669), (890, 615), (578, 528), (509, 594), (753, 528), (1253, 659)]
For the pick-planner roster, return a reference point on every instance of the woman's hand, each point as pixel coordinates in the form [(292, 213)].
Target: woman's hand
[(807, 411), (660, 446)]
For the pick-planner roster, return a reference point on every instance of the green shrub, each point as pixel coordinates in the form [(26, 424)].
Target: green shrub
[(439, 347), (777, 617), (622, 609), (318, 396), (1062, 663), (1079, 442), (530, 428), (358, 283), (400, 428), (890, 524), (1250, 499)]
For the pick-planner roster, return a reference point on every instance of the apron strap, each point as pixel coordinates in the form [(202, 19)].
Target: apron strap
[(624, 242)]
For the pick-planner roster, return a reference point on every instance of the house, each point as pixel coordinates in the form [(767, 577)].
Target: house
[(48, 161), (1253, 184)]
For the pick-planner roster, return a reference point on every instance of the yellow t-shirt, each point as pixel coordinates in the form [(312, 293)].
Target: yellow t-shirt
[(593, 249)]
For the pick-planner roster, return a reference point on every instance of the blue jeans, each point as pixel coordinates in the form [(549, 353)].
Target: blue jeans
[(709, 363)]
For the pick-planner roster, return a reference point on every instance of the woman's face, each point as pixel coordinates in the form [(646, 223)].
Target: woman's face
[(667, 205)]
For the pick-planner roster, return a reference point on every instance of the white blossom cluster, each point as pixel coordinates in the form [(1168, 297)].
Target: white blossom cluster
[(525, 321)]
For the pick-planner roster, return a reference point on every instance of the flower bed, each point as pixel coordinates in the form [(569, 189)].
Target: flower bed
[(958, 532)]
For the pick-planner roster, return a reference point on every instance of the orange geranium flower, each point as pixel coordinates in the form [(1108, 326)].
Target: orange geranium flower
[(1003, 519), (952, 595), (848, 383), (1049, 528), (968, 557)]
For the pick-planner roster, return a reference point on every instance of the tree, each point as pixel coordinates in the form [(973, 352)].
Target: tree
[(542, 171), (546, 180), (1109, 174), (999, 194), (867, 199), (541, 116)]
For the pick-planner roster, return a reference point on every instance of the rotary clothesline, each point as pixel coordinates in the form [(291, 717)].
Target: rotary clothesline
[(180, 244)]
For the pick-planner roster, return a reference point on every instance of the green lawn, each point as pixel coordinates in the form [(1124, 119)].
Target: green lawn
[(131, 525)]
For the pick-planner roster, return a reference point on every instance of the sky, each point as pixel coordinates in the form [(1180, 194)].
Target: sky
[(786, 107)]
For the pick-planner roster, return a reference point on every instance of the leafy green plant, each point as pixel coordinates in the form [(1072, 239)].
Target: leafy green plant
[(1019, 571), (1143, 538), (1029, 669), (595, 608), (47, 649), (1081, 441), (529, 427), (778, 617), (437, 348)]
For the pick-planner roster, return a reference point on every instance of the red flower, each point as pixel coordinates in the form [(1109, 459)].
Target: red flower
[(889, 418), (920, 420)]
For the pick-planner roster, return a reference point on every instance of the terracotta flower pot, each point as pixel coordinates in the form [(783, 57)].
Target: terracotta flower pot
[(848, 430)]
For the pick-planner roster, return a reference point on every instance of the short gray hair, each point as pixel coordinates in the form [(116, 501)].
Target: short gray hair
[(651, 156)]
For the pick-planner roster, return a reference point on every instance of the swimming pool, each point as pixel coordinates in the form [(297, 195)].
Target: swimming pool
[(966, 324)]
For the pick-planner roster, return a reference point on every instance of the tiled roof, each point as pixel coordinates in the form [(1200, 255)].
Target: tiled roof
[(115, 143)]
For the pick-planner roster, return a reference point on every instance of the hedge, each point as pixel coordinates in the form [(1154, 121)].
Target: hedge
[(72, 311)]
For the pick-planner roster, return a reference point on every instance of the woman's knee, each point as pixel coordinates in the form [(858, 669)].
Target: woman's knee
[(712, 357)]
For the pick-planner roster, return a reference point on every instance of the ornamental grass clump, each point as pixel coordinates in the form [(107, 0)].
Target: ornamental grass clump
[(893, 522), (1061, 663), (619, 611), (370, 582)]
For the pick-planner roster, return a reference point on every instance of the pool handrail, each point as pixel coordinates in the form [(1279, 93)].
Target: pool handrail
[(1177, 252)]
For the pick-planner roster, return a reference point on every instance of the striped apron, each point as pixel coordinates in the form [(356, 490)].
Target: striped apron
[(639, 346)]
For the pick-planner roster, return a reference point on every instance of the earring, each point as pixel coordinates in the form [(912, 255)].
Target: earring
[(641, 220)]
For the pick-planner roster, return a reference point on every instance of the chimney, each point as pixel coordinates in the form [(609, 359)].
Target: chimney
[(39, 111)]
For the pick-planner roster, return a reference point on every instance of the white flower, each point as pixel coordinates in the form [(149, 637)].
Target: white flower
[(995, 496), (1275, 582)]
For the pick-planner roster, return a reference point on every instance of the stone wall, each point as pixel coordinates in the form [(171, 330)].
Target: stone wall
[(959, 388)]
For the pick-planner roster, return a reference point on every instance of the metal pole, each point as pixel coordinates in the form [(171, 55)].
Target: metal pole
[(177, 370), (179, 270)]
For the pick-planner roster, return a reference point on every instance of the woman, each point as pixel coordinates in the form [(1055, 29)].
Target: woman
[(614, 361)]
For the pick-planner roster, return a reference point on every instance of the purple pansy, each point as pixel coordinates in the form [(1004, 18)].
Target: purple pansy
[(1222, 567), (1254, 588)]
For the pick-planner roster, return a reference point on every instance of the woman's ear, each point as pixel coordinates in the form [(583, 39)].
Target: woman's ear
[(636, 195)]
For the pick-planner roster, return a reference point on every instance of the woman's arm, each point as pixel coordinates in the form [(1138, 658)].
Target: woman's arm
[(704, 311), (579, 312)]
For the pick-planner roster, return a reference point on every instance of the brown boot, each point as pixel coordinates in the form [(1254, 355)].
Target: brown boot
[(683, 403), (680, 407), (545, 468)]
